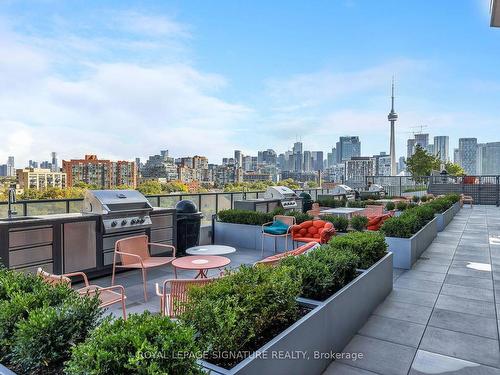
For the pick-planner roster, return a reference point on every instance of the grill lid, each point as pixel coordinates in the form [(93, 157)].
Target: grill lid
[(114, 201)]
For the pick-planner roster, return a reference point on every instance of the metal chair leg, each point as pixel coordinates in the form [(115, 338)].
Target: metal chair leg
[(144, 284)]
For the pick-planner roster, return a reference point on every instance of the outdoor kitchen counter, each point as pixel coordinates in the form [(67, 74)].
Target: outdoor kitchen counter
[(71, 242)]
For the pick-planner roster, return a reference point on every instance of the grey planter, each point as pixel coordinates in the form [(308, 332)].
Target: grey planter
[(242, 236), (5, 371), (456, 207), (445, 218), (326, 329), (407, 250)]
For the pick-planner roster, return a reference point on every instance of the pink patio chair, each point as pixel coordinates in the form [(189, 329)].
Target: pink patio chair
[(107, 296), (133, 252), (288, 220), (172, 304)]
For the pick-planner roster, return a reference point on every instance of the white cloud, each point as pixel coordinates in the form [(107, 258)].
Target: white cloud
[(120, 108)]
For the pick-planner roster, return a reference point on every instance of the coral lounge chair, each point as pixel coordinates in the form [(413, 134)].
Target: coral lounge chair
[(275, 259), (313, 231), (171, 304), (134, 253), (374, 223), (108, 296)]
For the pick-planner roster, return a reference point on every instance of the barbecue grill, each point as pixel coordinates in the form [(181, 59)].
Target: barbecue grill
[(288, 198), (120, 210)]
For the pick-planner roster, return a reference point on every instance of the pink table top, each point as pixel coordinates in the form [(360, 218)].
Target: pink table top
[(201, 262)]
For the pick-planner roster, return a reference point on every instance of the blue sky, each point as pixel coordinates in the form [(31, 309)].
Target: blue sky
[(125, 79)]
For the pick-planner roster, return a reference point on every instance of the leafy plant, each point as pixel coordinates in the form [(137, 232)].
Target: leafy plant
[(401, 206), (359, 223), (340, 223), (43, 341), (415, 198), (423, 198), (323, 271), (299, 216), (258, 218), (331, 202), (238, 313), (356, 204), (390, 206), (370, 247), (402, 227), (142, 344)]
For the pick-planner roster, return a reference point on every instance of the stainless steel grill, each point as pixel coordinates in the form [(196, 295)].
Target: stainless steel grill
[(121, 210)]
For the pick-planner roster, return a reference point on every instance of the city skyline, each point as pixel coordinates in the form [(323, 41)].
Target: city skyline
[(124, 81)]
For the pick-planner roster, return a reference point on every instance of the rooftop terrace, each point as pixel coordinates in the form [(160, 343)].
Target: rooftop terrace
[(443, 316)]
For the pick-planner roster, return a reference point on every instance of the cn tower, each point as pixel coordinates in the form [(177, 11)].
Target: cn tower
[(392, 117)]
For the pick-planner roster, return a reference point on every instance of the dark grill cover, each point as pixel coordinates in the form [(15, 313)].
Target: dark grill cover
[(186, 207)]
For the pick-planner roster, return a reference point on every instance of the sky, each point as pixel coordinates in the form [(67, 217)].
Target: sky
[(125, 79)]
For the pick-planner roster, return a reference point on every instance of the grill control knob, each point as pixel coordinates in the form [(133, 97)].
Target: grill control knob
[(114, 223), (124, 222), (132, 221), (142, 220)]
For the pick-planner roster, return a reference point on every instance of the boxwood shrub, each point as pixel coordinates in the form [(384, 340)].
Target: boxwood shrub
[(40, 322), (142, 344), (390, 206), (340, 223), (257, 218), (331, 202), (359, 223), (369, 246), (240, 312), (401, 206), (323, 271), (409, 222)]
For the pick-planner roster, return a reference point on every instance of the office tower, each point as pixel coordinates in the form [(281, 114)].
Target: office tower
[(247, 163), (348, 147), (318, 162), (392, 117), (104, 174), (53, 159), (422, 139), (430, 149), (238, 158), (11, 169), (489, 158), (401, 164), (442, 147), (298, 157), (456, 156), (267, 157), (410, 148), (468, 154), (307, 166)]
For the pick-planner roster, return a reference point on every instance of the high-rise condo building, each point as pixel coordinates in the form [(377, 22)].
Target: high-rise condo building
[(40, 179), (11, 168), (442, 148), (488, 160), (347, 148), (54, 162), (104, 174), (238, 158), (422, 139), (410, 148), (468, 154)]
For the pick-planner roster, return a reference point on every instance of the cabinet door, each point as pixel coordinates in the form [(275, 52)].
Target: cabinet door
[(79, 243)]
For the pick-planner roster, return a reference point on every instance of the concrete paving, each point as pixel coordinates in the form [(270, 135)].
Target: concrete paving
[(443, 316)]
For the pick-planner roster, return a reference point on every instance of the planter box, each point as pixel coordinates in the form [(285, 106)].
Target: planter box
[(445, 218), (242, 236), (456, 207), (5, 371), (407, 250), (326, 329)]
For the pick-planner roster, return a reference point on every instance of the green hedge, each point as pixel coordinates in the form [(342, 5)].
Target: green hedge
[(390, 206), (323, 271), (143, 344), (39, 322), (359, 223), (331, 202), (242, 311), (257, 218), (369, 246), (340, 223)]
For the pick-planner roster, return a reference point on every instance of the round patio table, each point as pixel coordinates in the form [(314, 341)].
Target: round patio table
[(202, 263), (210, 250)]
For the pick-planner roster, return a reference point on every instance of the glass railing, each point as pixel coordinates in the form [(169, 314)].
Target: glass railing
[(208, 203)]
